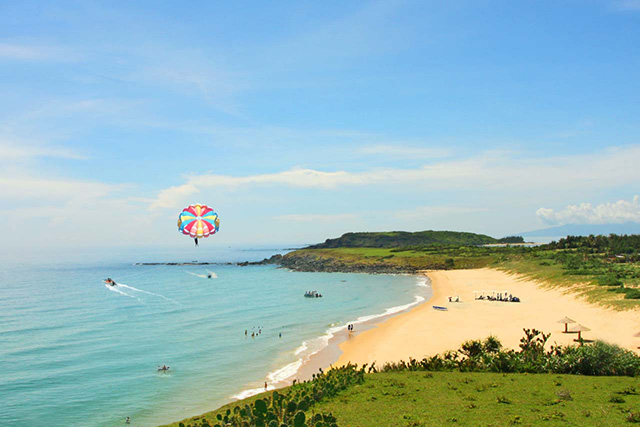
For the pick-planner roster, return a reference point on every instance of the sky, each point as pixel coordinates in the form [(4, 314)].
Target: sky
[(299, 121)]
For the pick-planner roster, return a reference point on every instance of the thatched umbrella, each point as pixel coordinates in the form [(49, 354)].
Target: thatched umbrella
[(566, 322), (580, 329)]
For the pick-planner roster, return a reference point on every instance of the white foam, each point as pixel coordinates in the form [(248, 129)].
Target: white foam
[(204, 276), (285, 372), (115, 289), (309, 348), (146, 292), (251, 392)]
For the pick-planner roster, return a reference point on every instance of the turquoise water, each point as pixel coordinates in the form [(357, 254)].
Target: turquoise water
[(78, 353)]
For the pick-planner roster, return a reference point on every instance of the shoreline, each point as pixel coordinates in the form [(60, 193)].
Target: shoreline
[(308, 364), (423, 331)]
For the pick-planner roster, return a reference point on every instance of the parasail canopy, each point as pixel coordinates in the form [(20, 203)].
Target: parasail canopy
[(198, 221)]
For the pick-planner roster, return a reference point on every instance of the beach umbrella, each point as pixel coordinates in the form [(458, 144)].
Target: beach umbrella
[(198, 221), (579, 329), (566, 322)]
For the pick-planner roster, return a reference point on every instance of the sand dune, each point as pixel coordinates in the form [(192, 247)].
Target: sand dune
[(424, 331)]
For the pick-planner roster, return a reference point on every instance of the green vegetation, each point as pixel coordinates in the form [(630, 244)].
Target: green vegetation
[(598, 358), (417, 399), (475, 385), (604, 269), (394, 239)]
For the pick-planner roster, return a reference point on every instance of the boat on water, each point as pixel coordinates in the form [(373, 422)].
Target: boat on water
[(437, 307), (312, 294), (109, 281)]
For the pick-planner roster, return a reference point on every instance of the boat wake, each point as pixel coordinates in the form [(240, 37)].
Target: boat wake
[(118, 291), (145, 292), (204, 276)]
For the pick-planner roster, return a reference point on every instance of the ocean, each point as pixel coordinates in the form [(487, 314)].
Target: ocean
[(76, 352)]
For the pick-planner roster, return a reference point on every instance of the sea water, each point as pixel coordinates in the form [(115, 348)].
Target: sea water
[(76, 352)]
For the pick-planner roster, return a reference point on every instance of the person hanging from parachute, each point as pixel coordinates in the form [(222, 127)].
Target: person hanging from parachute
[(198, 221)]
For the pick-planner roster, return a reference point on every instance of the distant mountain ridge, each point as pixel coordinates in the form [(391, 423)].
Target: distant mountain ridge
[(394, 239), (585, 230)]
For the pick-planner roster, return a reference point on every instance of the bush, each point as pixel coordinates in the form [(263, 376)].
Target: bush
[(609, 280), (598, 358), (632, 293)]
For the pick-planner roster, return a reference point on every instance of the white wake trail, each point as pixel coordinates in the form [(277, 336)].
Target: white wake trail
[(114, 289), (204, 276), (146, 292)]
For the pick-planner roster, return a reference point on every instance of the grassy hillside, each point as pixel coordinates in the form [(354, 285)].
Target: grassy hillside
[(481, 383), (394, 239), (403, 399), (604, 269)]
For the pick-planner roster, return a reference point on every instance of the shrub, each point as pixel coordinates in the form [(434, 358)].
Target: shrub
[(609, 280)]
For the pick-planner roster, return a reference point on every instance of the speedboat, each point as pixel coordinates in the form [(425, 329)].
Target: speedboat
[(110, 282)]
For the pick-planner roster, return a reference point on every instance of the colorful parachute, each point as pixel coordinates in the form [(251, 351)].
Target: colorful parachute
[(198, 221)]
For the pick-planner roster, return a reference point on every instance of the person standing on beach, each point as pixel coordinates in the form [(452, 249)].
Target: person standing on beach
[(265, 386)]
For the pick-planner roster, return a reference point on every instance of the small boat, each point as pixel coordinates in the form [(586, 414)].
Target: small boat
[(437, 307), (163, 368), (312, 294), (110, 282)]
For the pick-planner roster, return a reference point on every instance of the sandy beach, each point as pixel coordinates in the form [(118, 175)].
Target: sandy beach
[(424, 331)]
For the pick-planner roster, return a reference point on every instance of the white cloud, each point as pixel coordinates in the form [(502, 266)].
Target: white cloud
[(422, 212), (491, 171), (27, 52), (316, 217), (27, 187), (10, 150), (628, 5), (173, 196), (585, 213), (404, 151)]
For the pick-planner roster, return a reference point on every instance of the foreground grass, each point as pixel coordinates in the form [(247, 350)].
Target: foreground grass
[(412, 399), (403, 399)]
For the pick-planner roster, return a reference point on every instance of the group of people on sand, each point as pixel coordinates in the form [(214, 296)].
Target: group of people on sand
[(456, 299), (503, 297), (350, 327)]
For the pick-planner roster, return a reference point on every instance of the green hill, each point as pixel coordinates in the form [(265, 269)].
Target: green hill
[(395, 239)]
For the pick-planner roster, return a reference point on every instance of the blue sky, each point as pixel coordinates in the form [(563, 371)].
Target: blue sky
[(299, 121)]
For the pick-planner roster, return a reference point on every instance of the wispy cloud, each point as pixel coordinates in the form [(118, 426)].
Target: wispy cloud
[(31, 52), (422, 212), (585, 213), (316, 217), (631, 5), (402, 151), (14, 150), (497, 171), (38, 188)]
